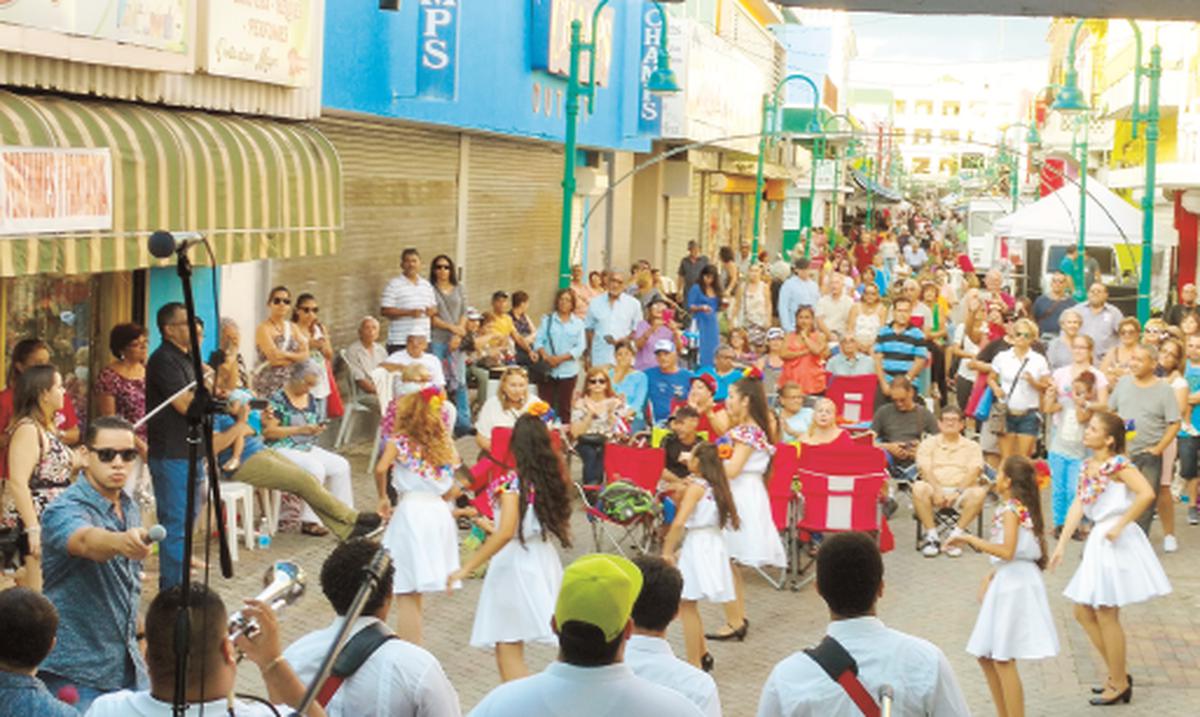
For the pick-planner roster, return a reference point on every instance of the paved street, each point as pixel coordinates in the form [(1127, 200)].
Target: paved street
[(932, 598)]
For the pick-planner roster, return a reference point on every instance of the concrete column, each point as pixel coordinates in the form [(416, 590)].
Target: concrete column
[(618, 232), (463, 204), (648, 216)]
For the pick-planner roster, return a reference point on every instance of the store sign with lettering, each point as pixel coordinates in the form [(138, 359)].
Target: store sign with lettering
[(551, 39), (55, 190), (650, 107), (261, 40), (437, 49), (157, 24)]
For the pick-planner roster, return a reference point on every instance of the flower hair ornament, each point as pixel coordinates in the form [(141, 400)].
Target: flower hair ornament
[(542, 410), (724, 448), (432, 396), (752, 372)]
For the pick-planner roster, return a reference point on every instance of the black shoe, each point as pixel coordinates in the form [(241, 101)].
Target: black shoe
[(706, 662), (889, 507), (367, 525), (1100, 690), (1123, 698), (738, 634)]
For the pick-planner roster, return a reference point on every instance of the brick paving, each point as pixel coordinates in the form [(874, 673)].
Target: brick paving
[(931, 598)]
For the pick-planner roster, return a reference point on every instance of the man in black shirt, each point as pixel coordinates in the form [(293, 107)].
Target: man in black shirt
[(682, 439), (899, 426), (168, 371)]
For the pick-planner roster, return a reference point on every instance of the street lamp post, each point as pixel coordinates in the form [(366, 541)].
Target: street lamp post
[(1070, 99), (837, 165), (661, 81), (769, 115), (1032, 139)]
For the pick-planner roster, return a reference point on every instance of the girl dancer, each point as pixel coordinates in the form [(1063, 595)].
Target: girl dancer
[(755, 542), (521, 585), (421, 533), (1014, 620), (705, 509), (1118, 566)]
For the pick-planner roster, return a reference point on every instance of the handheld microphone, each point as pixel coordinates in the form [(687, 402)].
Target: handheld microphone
[(163, 243), (886, 696), (155, 534)]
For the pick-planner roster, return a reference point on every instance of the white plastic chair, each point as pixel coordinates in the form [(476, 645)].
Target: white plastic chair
[(238, 499), (359, 403)]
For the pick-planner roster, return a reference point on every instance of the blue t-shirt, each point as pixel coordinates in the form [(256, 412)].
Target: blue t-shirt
[(723, 382), (252, 444), (664, 387), (1192, 374)]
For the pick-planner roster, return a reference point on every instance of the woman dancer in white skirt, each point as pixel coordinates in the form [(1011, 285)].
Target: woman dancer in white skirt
[(421, 534), (755, 543), (705, 509), (521, 585), (1014, 620), (1118, 566)]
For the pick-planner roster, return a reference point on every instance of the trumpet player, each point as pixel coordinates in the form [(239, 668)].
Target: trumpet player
[(212, 662)]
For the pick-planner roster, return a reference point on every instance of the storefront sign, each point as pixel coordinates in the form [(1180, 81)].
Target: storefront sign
[(261, 40), (55, 190), (650, 107), (791, 215), (158, 24), (437, 49), (825, 174), (551, 41)]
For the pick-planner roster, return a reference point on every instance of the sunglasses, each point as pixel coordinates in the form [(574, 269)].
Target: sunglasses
[(281, 300), (439, 267), (108, 455), (597, 381), (310, 309)]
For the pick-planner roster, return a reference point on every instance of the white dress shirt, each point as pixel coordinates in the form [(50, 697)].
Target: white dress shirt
[(651, 658), (399, 679), (917, 671), (432, 363), (563, 690), (606, 317), (140, 704)]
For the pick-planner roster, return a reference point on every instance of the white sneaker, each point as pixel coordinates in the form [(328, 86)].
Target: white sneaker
[(953, 551), (1170, 544), (930, 547)]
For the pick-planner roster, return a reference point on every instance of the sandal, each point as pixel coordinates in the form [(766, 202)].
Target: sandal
[(314, 529)]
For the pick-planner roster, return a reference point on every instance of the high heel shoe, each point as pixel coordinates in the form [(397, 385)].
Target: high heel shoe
[(1100, 690), (706, 662), (1124, 697), (738, 634)]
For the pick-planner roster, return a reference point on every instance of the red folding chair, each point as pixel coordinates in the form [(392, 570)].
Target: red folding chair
[(784, 504), (854, 397), (643, 467), (496, 462)]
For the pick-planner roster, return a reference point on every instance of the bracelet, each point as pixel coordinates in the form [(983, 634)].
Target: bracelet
[(272, 665), (34, 529)]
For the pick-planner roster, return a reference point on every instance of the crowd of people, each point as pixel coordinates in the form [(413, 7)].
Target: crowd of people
[(717, 364)]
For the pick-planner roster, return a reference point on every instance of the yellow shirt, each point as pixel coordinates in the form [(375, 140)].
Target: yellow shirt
[(955, 464)]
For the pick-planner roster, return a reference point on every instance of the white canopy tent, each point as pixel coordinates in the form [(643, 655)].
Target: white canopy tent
[(1111, 221)]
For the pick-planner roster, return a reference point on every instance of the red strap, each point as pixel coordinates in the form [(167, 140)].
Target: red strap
[(849, 682), (333, 682)]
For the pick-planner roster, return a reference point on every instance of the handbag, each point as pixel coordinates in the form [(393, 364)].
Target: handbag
[(333, 403), (540, 370)]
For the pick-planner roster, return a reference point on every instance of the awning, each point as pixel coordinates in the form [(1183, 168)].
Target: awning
[(886, 194), (257, 188)]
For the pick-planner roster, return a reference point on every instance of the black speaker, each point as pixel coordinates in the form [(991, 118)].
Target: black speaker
[(389, 4)]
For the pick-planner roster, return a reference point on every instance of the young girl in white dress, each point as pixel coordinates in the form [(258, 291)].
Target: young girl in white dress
[(421, 533), (755, 542), (1118, 567), (705, 509), (1014, 619), (521, 586)]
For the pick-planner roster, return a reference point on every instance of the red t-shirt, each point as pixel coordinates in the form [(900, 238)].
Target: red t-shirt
[(65, 419)]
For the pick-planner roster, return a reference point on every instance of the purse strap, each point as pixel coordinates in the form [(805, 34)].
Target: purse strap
[(1013, 387), (831, 657)]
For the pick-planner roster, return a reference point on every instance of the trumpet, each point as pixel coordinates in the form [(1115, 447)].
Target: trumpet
[(283, 585)]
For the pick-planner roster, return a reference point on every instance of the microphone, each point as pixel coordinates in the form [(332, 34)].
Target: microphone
[(163, 243), (886, 696), (68, 694), (155, 534)]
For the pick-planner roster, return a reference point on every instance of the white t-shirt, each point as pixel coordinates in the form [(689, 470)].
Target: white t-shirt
[(1007, 365), (493, 415), (431, 363), (141, 704), (651, 658), (963, 340), (563, 690), (834, 312), (400, 293)]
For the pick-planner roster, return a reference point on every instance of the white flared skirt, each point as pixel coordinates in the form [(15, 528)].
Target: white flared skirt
[(755, 543), (704, 562), (1014, 621), (1113, 573), (518, 596), (423, 541)]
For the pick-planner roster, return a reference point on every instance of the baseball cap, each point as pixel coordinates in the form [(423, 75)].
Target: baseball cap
[(707, 380), (664, 345), (775, 333), (473, 314), (599, 589)]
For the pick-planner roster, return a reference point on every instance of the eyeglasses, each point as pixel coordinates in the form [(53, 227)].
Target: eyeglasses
[(108, 455), (596, 381), (440, 267), (1023, 335), (281, 300), (310, 309)]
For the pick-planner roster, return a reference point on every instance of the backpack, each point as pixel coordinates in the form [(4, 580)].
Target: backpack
[(623, 501)]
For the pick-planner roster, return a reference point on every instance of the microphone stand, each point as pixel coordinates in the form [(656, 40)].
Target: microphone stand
[(373, 575), (200, 428)]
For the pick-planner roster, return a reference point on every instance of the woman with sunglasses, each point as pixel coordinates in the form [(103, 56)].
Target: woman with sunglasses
[(320, 351), (1116, 363), (1018, 378), (449, 328), (597, 416), (40, 465), (279, 343)]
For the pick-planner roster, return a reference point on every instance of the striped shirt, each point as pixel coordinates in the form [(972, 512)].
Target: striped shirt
[(401, 293), (900, 350)]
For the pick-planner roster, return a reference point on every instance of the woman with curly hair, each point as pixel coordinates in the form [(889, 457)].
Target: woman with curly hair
[(421, 534), (521, 586)]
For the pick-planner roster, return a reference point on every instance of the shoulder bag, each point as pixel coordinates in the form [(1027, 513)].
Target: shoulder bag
[(842, 669), (540, 370)]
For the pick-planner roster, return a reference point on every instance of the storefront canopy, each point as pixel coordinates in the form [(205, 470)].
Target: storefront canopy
[(882, 193), (256, 188)]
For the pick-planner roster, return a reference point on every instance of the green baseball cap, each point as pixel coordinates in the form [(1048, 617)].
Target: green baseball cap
[(600, 590)]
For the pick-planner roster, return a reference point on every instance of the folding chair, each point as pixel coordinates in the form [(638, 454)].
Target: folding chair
[(854, 397), (944, 521), (641, 466), (785, 505)]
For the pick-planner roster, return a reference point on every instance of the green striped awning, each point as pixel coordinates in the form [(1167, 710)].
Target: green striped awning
[(257, 188)]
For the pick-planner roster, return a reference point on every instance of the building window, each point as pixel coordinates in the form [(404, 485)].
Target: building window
[(950, 108), (972, 160), (950, 136), (901, 107), (922, 136), (920, 165), (948, 166), (924, 107)]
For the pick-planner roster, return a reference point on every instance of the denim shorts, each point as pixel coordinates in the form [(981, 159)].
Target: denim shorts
[(1189, 456), (1026, 424)]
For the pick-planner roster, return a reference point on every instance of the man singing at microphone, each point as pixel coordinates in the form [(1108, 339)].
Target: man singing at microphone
[(92, 548)]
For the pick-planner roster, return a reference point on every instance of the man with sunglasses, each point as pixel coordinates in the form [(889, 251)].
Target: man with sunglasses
[(93, 546)]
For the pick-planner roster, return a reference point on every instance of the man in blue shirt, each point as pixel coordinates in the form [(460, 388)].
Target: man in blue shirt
[(28, 623), (666, 381), (799, 290), (611, 319), (899, 348), (723, 371), (93, 546)]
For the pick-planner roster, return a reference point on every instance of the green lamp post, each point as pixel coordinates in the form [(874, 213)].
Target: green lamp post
[(1032, 139), (769, 117), (661, 81), (1071, 99), (837, 166)]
